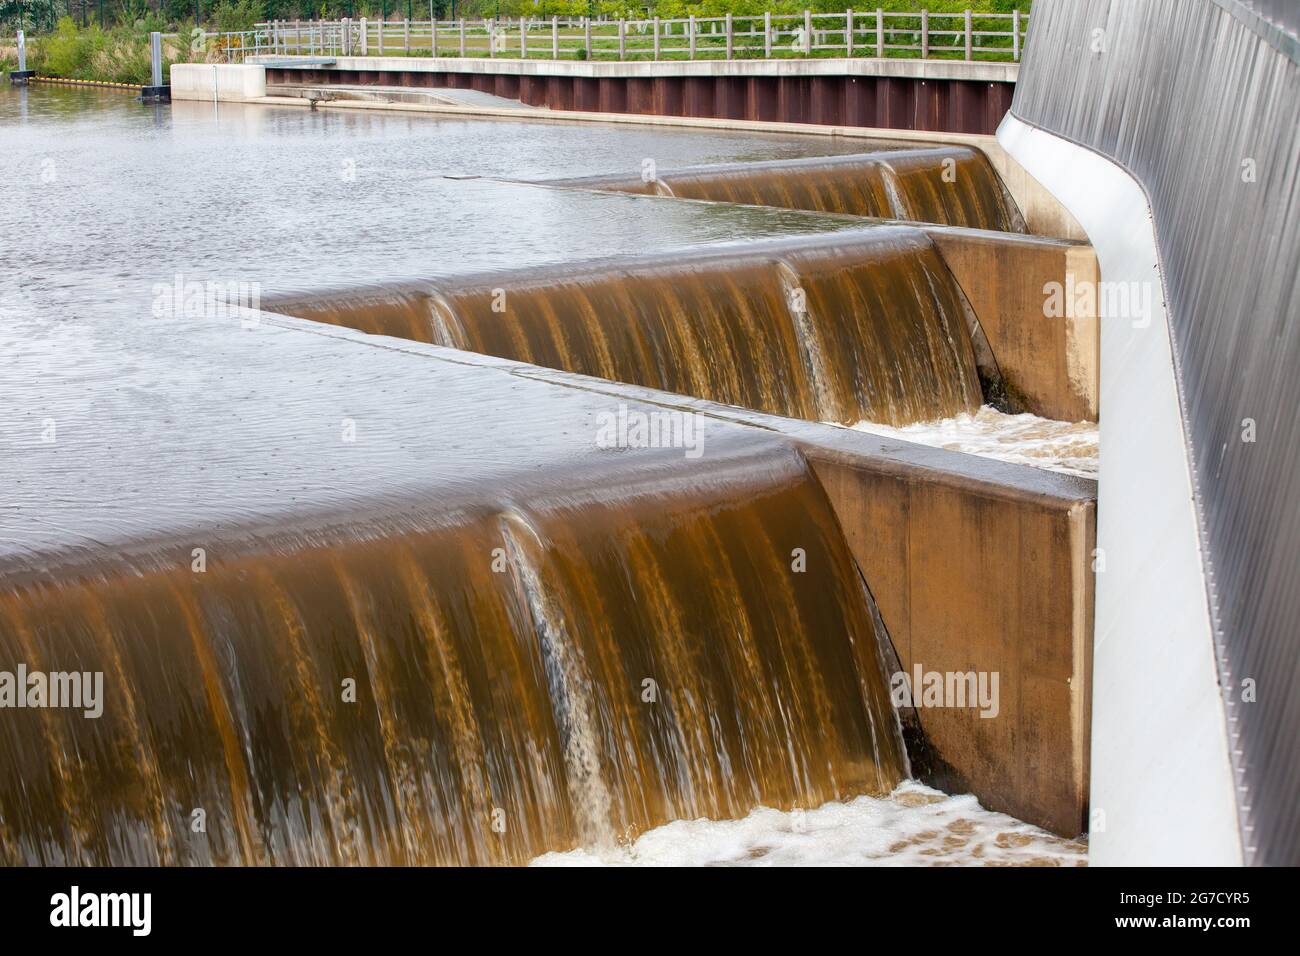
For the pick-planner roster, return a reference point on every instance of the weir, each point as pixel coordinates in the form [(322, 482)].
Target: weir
[(467, 630), (864, 324), (950, 185)]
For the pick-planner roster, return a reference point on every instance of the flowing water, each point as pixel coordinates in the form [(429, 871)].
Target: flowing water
[(868, 324), (359, 601), (951, 185), (1072, 448), (913, 826), (354, 600)]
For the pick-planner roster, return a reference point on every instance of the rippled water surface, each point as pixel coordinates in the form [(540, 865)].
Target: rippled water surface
[(103, 196)]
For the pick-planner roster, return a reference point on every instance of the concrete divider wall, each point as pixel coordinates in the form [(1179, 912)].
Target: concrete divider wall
[(225, 82), (1035, 300), (972, 578)]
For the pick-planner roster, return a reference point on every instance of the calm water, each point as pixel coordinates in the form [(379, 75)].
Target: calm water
[(102, 196)]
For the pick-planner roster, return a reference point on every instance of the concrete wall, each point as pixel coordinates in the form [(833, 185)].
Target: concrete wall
[(973, 575), (232, 83), (1048, 362)]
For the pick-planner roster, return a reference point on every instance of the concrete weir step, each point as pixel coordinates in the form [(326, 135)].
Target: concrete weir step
[(435, 96)]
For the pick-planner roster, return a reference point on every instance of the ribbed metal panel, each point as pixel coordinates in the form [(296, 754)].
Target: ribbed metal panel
[(1185, 94)]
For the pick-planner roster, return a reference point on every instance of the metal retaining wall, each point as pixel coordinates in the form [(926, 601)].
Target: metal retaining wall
[(1200, 101), (896, 102)]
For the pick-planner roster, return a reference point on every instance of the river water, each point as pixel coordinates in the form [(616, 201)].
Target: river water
[(137, 438)]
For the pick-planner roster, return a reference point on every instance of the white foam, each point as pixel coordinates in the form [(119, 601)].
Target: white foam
[(1069, 447), (913, 826)]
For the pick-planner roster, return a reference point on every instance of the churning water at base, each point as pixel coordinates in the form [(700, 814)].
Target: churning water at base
[(862, 324), (1069, 447), (913, 826)]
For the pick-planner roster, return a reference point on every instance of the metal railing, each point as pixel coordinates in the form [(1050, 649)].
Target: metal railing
[(966, 36)]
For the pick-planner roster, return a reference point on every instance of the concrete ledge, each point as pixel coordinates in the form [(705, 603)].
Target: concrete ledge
[(224, 82), (1049, 363), (992, 583), (987, 72)]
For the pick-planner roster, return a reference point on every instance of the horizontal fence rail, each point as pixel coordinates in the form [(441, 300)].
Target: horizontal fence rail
[(964, 36)]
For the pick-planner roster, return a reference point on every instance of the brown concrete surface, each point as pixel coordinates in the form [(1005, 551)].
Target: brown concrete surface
[(1049, 363), (994, 579)]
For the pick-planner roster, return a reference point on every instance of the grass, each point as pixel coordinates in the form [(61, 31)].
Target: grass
[(119, 55)]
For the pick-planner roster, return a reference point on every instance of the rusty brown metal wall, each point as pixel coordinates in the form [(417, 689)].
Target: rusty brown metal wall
[(953, 106)]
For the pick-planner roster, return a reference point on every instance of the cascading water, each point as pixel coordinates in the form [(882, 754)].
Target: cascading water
[(523, 677), (949, 185), (865, 324)]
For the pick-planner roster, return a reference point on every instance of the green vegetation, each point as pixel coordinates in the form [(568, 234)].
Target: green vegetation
[(77, 45), (116, 55)]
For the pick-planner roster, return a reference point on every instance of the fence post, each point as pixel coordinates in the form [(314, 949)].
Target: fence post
[(406, 37), (767, 35), (555, 38), (365, 37), (346, 40), (622, 39), (656, 33), (807, 33), (586, 36), (462, 36), (880, 33), (925, 34), (691, 26), (730, 36), (848, 33), (379, 34), (523, 38), (1015, 35), (969, 36)]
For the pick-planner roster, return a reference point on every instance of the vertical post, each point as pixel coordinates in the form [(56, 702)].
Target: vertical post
[(656, 33), (155, 57), (586, 35), (462, 36), (1015, 35), (807, 33), (767, 35), (969, 37), (523, 38), (379, 32), (406, 36), (622, 39), (730, 36), (555, 38), (691, 25), (925, 34), (365, 37), (22, 52), (880, 33), (848, 33)]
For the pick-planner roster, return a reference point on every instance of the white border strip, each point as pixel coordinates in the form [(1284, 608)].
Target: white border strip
[(1162, 788)]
